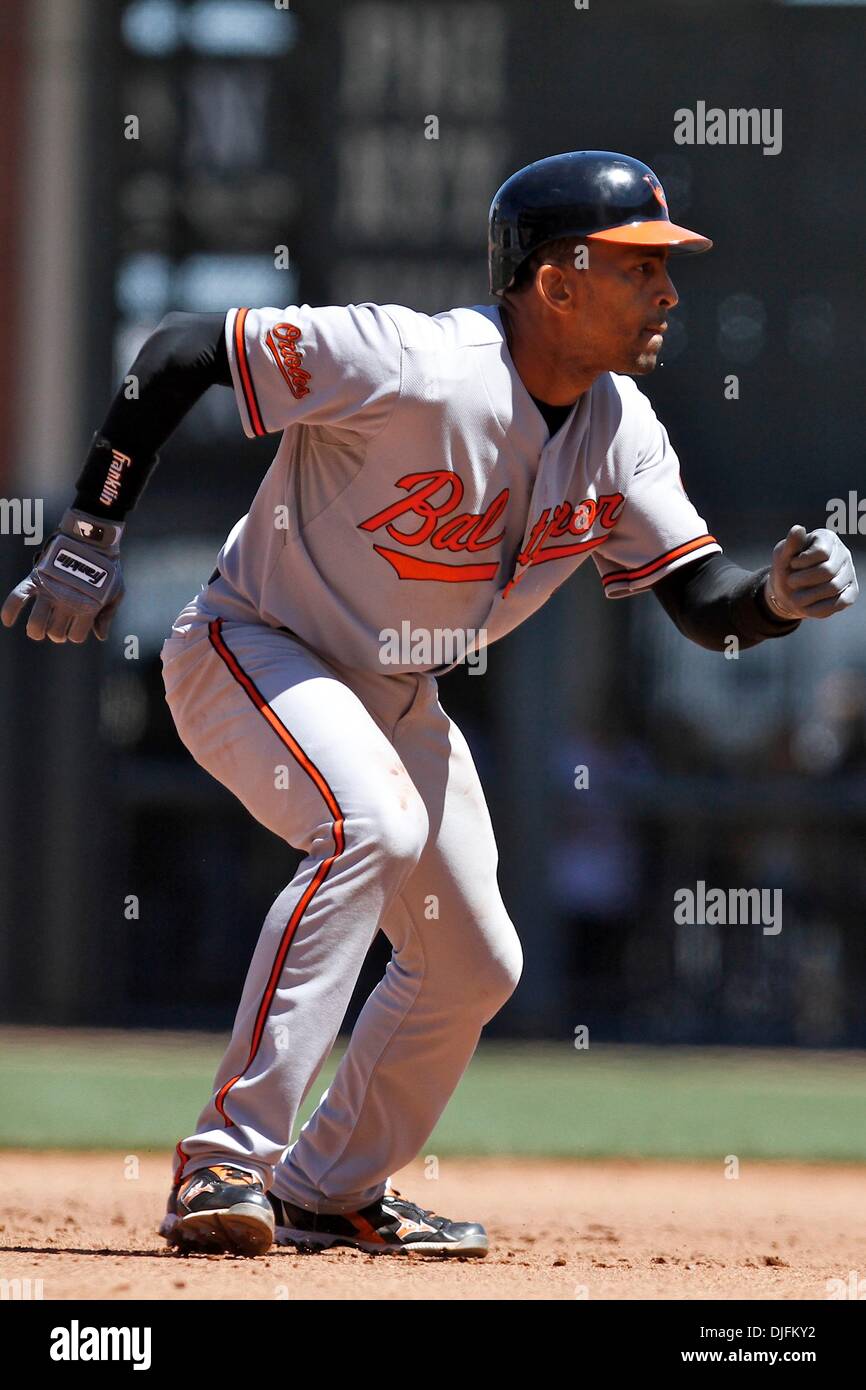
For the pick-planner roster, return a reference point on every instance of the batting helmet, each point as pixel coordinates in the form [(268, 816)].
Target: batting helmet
[(586, 193)]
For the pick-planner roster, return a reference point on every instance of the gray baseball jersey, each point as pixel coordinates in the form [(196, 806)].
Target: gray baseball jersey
[(415, 480)]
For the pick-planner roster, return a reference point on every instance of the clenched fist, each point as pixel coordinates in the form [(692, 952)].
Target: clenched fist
[(812, 575)]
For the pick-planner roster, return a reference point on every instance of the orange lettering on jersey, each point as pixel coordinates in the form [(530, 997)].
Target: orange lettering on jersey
[(568, 520), (609, 508), (282, 341), (420, 488), (433, 497), (466, 531), (583, 516)]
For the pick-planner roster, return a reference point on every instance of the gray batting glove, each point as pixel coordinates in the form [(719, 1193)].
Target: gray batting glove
[(812, 575), (76, 583)]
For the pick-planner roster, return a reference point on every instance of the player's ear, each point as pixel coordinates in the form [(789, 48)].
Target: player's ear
[(553, 284)]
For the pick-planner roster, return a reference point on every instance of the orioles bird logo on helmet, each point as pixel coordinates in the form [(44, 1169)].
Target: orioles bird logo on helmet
[(658, 191)]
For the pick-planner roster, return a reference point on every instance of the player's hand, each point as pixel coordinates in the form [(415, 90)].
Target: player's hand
[(76, 583), (812, 575)]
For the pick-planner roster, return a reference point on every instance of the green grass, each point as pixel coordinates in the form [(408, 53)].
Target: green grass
[(67, 1089)]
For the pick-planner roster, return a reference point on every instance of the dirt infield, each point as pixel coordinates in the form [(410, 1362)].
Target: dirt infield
[(559, 1230)]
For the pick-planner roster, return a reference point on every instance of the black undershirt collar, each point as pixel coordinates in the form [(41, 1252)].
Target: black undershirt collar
[(555, 416)]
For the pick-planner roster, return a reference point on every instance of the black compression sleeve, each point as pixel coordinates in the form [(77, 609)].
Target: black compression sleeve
[(713, 599), (180, 360)]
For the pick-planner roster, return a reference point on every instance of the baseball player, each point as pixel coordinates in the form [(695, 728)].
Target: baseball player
[(434, 474)]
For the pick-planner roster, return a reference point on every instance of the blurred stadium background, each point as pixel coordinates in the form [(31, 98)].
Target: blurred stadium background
[(257, 127)]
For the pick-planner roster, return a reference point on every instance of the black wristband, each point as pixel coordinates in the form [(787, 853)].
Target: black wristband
[(111, 482)]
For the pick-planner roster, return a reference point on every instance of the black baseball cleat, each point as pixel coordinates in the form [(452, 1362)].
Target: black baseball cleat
[(391, 1226), (222, 1208)]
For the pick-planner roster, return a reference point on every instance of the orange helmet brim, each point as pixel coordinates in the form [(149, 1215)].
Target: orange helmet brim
[(657, 232)]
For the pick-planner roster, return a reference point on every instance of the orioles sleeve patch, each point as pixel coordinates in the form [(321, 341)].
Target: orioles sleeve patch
[(282, 341)]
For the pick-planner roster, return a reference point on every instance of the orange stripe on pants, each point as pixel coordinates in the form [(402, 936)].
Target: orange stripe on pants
[(219, 645)]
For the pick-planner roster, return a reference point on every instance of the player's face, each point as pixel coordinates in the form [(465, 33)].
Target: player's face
[(622, 300)]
